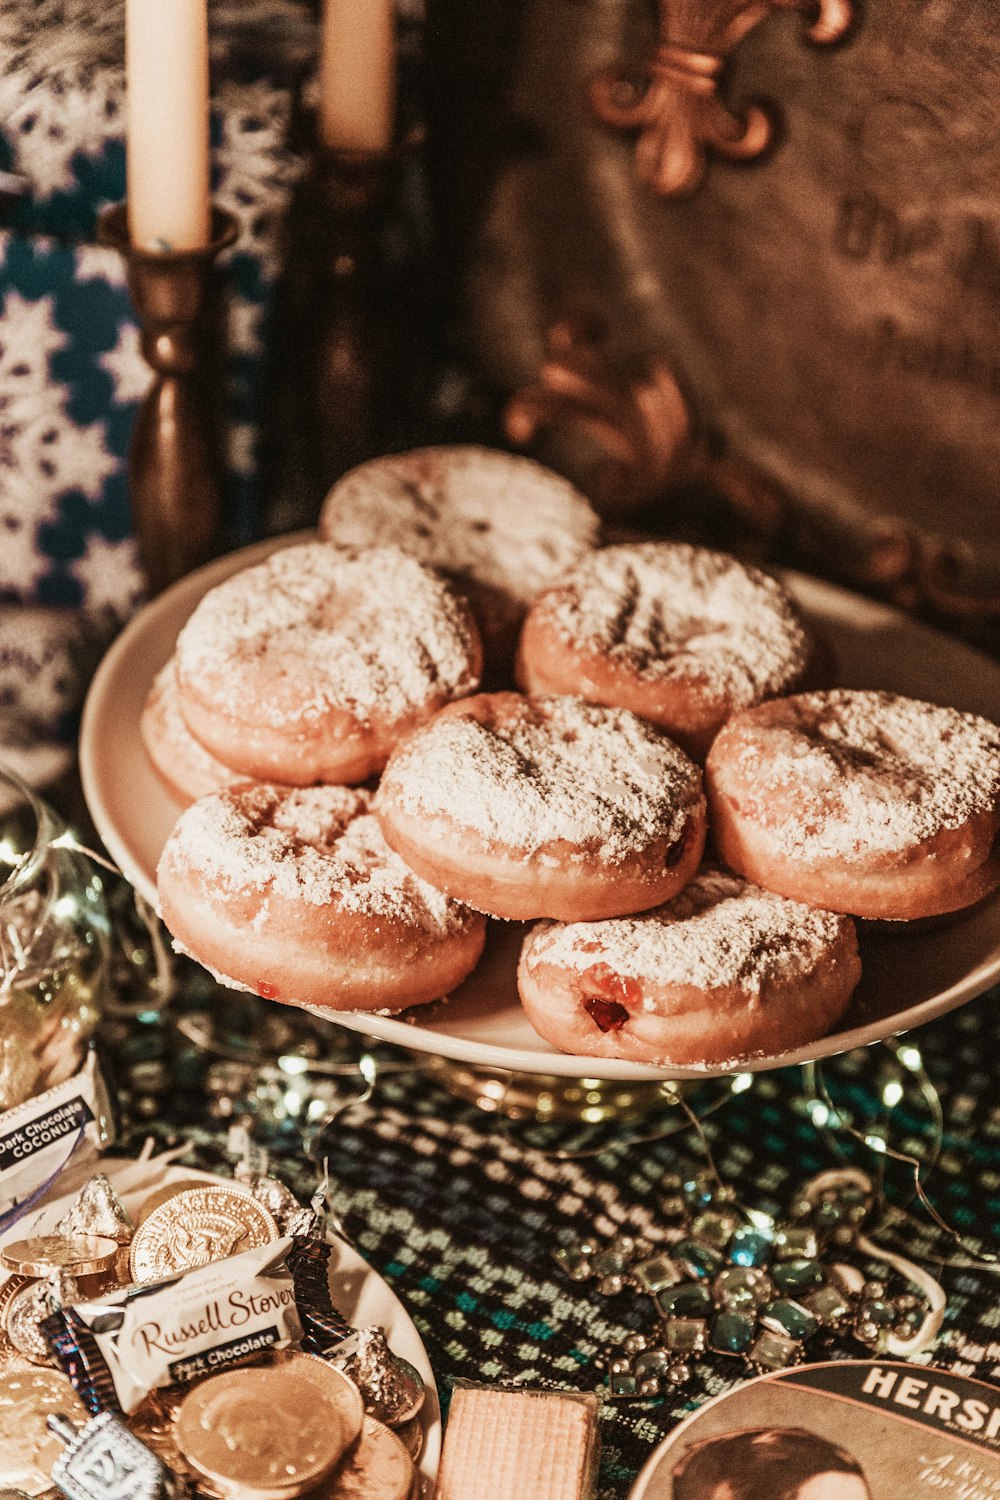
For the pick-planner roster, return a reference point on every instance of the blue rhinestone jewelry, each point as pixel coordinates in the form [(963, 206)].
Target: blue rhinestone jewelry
[(730, 1282)]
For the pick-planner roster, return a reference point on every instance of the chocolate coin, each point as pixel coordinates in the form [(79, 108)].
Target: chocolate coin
[(24, 1313), (79, 1254), (153, 1423), (7, 1289), (197, 1226), (27, 1448), (170, 1190), (411, 1435), (332, 1383), (28, 1308), (378, 1467), (10, 1286), (261, 1434)]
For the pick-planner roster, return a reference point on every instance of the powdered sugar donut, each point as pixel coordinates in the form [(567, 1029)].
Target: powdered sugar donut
[(679, 634), (292, 892), (528, 807), (311, 665), (864, 802), (184, 766), (503, 527), (722, 972)]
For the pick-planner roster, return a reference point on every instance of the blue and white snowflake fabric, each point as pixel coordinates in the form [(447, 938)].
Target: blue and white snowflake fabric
[(70, 371), (71, 375)]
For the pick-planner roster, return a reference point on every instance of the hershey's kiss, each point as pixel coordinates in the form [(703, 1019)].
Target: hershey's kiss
[(279, 1201), (98, 1210), (392, 1390)]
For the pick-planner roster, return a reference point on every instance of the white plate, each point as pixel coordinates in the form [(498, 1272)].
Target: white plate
[(358, 1293), (909, 976)]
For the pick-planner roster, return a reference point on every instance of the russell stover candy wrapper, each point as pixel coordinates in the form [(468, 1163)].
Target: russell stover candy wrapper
[(118, 1349), (38, 1137)]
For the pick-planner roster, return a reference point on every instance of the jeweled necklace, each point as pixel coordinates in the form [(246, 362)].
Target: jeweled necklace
[(735, 1282)]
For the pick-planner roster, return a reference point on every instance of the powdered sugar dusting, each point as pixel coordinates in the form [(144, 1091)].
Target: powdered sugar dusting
[(670, 610), (199, 770), (318, 845), (505, 521), (317, 627), (721, 931), (865, 771), (548, 769)]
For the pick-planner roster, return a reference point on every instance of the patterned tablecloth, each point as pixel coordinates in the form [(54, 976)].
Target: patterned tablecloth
[(460, 1211)]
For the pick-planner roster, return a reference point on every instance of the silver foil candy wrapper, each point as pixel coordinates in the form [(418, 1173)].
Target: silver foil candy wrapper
[(99, 1210), (104, 1461), (37, 1136), (392, 1390)]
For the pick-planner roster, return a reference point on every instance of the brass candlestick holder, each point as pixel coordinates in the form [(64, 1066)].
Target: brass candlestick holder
[(175, 467), (336, 327)]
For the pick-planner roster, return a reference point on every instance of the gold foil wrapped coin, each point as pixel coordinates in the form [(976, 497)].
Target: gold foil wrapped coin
[(10, 1286), (79, 1254), (153, 1423), (161, 1195), (29, 1306), (261, 1434), (411, 1435), (332, 1384), (378, 1467), (27, 1448), (199, 1225)]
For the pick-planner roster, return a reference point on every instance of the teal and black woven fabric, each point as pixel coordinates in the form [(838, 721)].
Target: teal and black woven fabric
[(460, 1212)]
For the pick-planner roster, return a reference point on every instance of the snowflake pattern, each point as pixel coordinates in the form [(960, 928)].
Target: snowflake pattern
[(71, 370), (244, 324), (255, 171), (38, 674), (73, 103), (43, 452), (124, 363), (62, 94), (110, 576), (99, 263)]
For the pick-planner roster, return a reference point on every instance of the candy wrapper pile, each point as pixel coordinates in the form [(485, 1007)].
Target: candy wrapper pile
[(188, 1343)]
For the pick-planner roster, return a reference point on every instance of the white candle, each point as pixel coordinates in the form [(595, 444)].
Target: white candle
[(357, 75), (166, 60)]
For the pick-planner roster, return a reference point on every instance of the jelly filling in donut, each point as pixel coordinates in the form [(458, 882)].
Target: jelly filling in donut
[(607, 1015), (602, 993), (266, 990)]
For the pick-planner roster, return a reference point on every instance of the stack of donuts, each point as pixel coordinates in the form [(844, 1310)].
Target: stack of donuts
[(359, 808)]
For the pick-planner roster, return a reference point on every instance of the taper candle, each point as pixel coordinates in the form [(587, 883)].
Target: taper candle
[(357, 75), (166, 59)]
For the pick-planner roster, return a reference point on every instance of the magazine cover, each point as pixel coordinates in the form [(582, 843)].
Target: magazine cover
[(849, 1430)]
